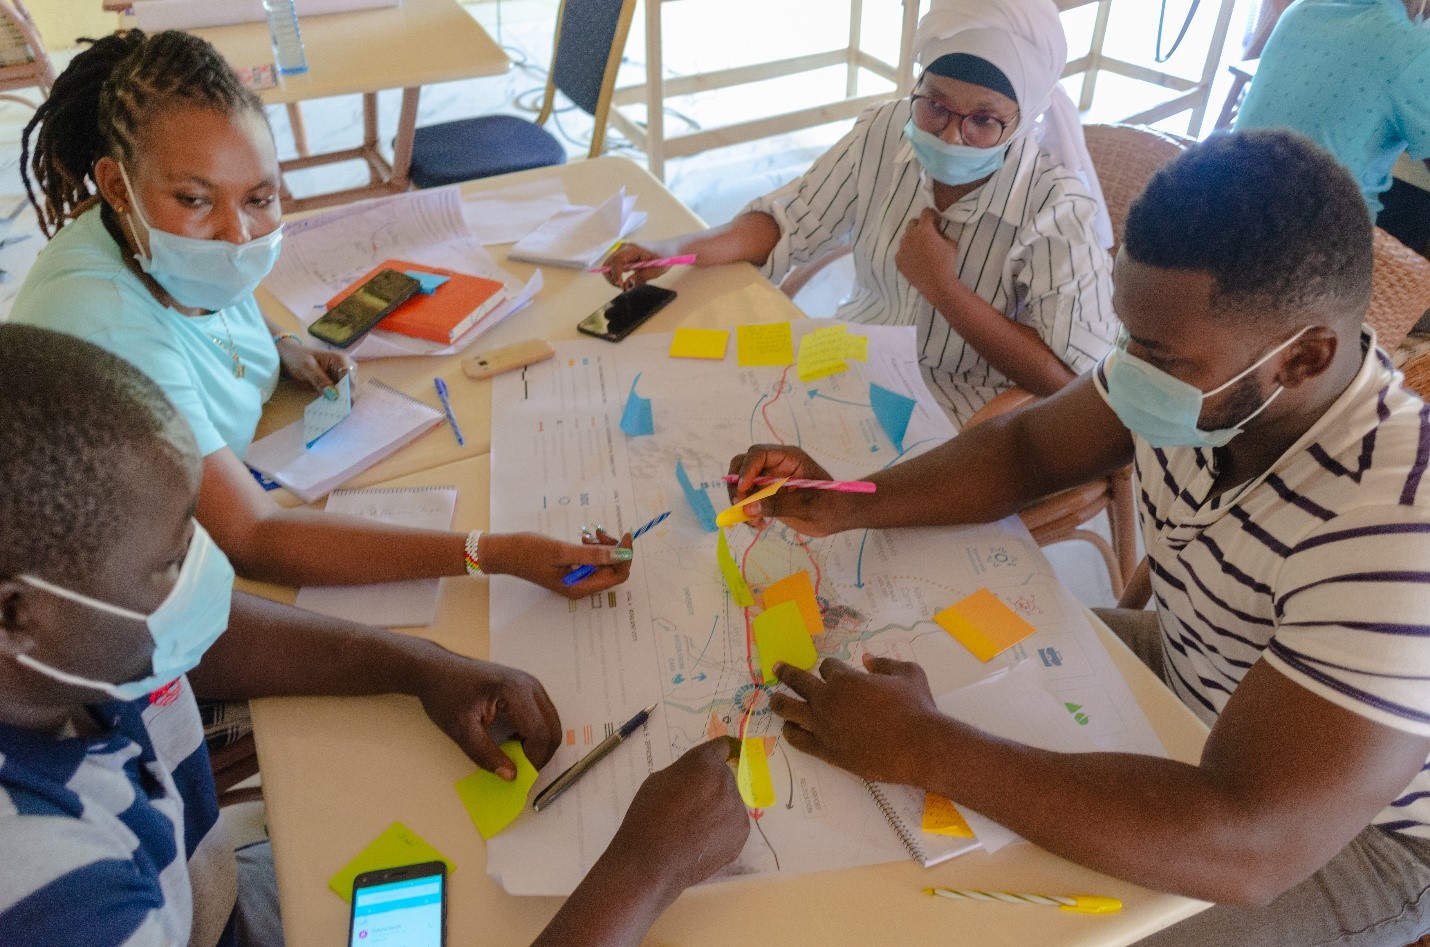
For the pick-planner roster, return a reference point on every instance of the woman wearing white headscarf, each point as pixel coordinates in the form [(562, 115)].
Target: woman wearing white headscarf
[(972, 210)]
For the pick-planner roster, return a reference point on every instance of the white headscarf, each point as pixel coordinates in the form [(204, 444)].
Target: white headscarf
[(1023, 38)]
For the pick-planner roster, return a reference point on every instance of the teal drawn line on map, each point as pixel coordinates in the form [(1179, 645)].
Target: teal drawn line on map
[(713, 625), (814, 393)]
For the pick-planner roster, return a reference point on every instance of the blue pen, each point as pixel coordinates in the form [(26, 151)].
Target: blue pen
[(441, 387), (581, 573)]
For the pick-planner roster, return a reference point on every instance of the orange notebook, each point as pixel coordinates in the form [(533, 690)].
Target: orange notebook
[(446, 314)]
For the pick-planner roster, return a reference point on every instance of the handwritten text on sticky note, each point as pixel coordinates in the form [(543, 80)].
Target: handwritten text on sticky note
[(769, 343), (984, 625), (492, 802), (753, 775)]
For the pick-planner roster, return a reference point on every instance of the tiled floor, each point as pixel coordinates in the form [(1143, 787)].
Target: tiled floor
[(715, 184)]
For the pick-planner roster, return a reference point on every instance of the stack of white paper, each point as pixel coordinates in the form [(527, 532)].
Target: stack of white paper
[(506, 214), (383, 421), (580, 236), (387, 604)]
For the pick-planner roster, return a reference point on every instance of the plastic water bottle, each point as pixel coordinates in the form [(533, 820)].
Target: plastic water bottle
[(287, 40)]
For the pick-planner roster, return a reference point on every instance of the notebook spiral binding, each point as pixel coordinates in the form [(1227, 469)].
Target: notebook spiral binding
[(401, 394), (368, 490), (901, 828)]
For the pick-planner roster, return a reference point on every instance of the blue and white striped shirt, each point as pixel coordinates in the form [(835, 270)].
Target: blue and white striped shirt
[(1320, 566), (92, 829)]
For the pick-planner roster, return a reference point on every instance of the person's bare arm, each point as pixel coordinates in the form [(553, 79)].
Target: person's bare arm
[(1285, 781), (985, 473), (748, 238), (310, 547)]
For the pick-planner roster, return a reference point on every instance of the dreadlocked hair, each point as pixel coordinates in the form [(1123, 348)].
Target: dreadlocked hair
[(99, 104)]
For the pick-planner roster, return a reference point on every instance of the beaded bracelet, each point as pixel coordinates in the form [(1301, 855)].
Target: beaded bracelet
[(288, 335), (472, 555)]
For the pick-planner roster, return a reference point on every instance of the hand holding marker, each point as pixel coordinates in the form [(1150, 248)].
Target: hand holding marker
[(581, 573)]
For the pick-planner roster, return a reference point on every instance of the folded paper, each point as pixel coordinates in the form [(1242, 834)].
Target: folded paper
[(322, 415), (781, 635), (736, 514), (492, 802), (699, 500), (984, 625), (637, 419), (893, 411)]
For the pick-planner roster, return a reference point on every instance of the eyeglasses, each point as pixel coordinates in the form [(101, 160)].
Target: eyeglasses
[(978, 129)]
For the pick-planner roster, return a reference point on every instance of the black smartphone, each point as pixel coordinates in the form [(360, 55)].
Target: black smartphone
[(624, 314), (400, 907), (364, 308)]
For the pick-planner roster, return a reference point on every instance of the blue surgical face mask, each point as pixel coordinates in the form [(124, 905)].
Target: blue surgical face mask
[(953, 164), (185, 624), (1163, 410), (204, 274)]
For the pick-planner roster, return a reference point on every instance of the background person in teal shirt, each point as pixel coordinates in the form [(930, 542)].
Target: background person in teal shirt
[(157, 172), (1354, 77)]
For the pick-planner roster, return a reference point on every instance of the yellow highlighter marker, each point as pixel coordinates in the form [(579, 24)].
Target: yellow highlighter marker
[(1077, 904)]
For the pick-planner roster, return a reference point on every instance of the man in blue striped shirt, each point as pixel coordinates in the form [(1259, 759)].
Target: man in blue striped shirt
[(1287, 521), (114, 601)]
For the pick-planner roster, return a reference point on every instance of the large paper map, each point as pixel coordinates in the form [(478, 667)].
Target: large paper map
[(673, 636)]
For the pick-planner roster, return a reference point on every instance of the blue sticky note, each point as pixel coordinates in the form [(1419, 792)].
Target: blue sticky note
[(637, 418), (429, 281), (699, 499), (893, 411)]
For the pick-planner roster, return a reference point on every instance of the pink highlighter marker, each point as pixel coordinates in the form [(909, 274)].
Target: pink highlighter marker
[(687, 260)]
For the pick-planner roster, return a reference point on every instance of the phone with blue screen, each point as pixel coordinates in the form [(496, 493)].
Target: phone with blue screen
[(400, 907)]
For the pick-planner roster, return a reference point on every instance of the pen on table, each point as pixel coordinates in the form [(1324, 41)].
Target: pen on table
[(568, 779), (581, 573), (441, 387), (840, 486), (686, 260), (1077, 904)]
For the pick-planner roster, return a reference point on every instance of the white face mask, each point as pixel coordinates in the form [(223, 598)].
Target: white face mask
[(186, 623)]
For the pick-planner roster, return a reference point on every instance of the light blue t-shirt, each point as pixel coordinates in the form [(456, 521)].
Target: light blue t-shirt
[(1351, 75), (81, 286)]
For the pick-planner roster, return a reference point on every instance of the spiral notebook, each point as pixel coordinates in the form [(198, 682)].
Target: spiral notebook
[(383, 421), (386, 604), (903, 806)]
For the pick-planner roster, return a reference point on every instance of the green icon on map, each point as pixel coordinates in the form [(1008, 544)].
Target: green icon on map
[(1078, 715)]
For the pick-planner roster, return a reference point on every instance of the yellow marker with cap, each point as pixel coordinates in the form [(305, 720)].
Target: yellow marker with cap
[(1077, 904)]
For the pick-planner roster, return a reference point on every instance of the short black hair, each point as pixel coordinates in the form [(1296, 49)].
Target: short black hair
[(1275, 220), (73, 420)]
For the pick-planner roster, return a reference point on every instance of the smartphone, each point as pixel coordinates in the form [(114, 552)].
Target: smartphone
[(400, 907), (364, 308), (624, 314)]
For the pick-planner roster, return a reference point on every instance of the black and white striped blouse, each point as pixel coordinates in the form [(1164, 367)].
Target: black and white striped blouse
[(1026, 238)]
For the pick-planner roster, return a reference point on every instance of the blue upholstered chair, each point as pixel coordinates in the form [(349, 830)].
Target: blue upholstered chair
[(590, 39)]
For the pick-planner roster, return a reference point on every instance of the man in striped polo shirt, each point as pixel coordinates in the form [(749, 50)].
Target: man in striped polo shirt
[(113, 600), (1286, 514)]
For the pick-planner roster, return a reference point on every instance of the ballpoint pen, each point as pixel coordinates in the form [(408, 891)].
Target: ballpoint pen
[(840, 486), (581, 573), (441, 387), (568, 779), (1075, 904)]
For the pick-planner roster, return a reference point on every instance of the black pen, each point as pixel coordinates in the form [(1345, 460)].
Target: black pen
[(568, 779)]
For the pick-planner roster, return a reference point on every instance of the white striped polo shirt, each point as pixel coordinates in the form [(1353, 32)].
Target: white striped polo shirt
[(1027, 245), (1320, 566), (115, 839)]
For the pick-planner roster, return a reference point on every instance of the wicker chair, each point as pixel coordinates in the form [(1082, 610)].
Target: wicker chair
[(24, 63)]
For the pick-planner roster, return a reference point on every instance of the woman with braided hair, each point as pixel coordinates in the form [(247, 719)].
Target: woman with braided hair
[(155, 174)]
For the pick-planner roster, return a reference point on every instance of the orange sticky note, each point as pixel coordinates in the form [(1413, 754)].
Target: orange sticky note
[(699, 343), (753, 775), (942, 817), (736, 514), (780, 635), (798, 589), (984, 625), (769, 343)]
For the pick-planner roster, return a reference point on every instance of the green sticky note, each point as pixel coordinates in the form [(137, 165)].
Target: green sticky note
[(396, 846), (730, 569), (780, 635), (492, 802)]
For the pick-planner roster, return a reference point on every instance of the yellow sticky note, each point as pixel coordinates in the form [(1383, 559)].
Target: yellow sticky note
[(941, 817), (798, 589), (856, 347), (492, 802), (780, 635), (729, 568), (736, 514), (984, 625), (396, 846), (821, 353), (753, 775), (699, 343), (769, 343)]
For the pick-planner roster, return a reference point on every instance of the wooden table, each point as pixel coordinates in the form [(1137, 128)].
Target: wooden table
[(405, 47), (337, 771)]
